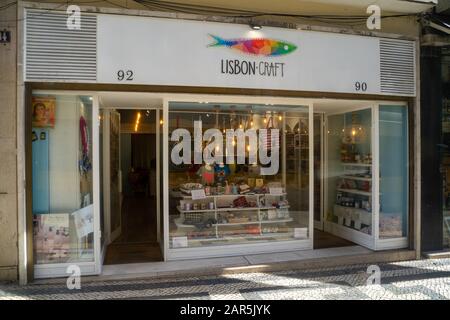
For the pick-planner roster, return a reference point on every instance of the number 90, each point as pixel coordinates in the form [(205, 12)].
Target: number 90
[(360, 86)]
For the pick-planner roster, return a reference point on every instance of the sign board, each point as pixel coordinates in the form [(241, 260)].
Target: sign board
[(198, 194), (157, 51)]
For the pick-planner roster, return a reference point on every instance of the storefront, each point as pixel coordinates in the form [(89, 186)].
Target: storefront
[(262, 137)]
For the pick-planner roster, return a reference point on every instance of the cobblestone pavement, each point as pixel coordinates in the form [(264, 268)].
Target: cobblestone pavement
[(422, 279)]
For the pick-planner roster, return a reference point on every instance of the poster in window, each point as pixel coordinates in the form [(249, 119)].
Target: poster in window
[(43, 112), (51, 237)]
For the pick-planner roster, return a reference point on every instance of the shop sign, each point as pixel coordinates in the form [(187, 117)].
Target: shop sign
[(156, 51)]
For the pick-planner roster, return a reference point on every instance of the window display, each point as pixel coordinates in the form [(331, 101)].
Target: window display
[(393, 172), (350, 170), (351, 210), (237, 174), (62, 203)]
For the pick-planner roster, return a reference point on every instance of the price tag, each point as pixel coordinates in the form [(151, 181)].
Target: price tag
[(300, 233), (276, 191), (179, 242), (198, 194)]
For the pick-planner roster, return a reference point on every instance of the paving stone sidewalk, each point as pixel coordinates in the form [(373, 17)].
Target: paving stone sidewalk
[(420, 279)]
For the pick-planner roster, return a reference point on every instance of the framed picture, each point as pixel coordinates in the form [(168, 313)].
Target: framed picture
[(43, 109)]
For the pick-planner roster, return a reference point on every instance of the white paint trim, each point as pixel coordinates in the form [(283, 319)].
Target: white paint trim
[(395, 243), (106, 177), (96, 183), (375, 174), (166, 177), (158, 174), (311, 172), (59, 270), (239, 249)]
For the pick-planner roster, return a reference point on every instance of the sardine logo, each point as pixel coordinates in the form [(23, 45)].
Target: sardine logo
[(258, 47)]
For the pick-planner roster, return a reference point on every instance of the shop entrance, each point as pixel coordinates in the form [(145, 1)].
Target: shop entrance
[(130, 160)]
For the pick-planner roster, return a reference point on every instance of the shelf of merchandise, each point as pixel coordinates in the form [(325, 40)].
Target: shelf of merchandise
[(356, 164), (179, 221), (359, 216), (236, 195), (355, 178), (254, 222), (354, 191)]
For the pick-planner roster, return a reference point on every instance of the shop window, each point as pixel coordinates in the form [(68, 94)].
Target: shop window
[(349, 175), (393, 171), (62, 189), (227, 188)]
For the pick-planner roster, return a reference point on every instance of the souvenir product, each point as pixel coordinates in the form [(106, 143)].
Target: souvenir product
[(187, 187), (206, 173), (221, 171)]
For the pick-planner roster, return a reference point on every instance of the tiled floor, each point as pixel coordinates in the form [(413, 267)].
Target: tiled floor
[(239, 261), (420, 279)]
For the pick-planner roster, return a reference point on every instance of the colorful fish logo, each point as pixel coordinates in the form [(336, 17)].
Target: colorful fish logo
[(259, 47)]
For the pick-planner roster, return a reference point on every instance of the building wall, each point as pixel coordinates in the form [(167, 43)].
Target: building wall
[(8, 147)]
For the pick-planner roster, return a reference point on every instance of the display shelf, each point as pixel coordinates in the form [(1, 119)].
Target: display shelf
[(356, 178), (356, 164), (258, 236), (238, 195), (198, 210), (354, 191), (237, 209), (254, 222), (258, 214)]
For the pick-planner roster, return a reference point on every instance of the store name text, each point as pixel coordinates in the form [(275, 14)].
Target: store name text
[(252, 68)]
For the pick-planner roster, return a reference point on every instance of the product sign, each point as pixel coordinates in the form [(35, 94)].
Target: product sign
[(175, 52)]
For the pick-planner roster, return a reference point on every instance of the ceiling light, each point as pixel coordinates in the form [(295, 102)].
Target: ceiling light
[(255, 26)]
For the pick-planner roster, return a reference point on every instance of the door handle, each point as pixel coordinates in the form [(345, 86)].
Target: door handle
[(3, 192)]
